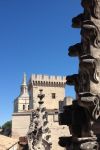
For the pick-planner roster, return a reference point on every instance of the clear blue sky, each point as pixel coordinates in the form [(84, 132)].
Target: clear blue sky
[(34, 38)]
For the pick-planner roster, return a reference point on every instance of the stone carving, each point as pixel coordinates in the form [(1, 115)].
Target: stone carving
[(39, 133), (75, 50), (97, 9), (89, 146), (77, 21), (92, 103), (35, 130), (89, 65), (83, 80), (87, 5), (85, 110), (90, 34), (92, 7), (73, 80)]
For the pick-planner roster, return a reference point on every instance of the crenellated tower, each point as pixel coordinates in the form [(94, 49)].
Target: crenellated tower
[(53, 87)]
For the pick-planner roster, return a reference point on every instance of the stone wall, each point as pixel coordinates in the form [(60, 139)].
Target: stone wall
[(49, 85), (50, 103), (20, 124), (21, 121), (56, 132)]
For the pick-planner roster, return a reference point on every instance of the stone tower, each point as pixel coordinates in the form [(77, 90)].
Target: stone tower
[(85, 110), (21, 103), (53, 87)]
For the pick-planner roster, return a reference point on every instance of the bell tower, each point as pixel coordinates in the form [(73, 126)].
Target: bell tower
[(21, 103)]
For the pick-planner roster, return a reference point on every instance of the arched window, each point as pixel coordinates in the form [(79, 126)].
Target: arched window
[(23, 107)]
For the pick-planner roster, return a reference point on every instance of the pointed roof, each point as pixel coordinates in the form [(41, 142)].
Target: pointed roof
[(24, 79), (24, 88)]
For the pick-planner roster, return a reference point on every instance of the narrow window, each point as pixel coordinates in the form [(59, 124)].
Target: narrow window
[(23, 107), (28, 107), (53, 95)]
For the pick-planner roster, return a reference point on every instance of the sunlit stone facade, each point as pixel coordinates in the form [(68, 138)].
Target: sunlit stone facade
[(54, 89)]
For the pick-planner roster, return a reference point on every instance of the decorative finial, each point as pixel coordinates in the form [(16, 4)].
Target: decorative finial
[(41, 96), (24, 88)]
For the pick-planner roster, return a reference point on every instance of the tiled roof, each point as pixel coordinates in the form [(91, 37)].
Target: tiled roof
[(7, 142)]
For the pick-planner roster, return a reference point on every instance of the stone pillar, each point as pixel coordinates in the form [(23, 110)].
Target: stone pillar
[(85, 110)]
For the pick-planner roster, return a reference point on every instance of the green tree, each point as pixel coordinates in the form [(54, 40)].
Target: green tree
[(6, 128)]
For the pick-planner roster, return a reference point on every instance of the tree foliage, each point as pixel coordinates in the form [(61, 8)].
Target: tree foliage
[(6, 128)]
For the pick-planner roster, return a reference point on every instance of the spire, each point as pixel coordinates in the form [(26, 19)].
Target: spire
[(24, 79), (24, 88)]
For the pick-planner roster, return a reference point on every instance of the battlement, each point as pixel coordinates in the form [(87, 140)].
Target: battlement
[(45, 80)]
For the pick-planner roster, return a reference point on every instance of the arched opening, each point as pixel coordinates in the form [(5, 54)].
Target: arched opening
[(23, 107)]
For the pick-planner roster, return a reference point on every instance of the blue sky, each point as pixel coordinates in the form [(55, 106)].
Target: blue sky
[(34, 38)]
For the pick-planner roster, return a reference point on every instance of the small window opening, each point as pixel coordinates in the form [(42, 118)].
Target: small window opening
[(23, 107), (53, 95), (28, 107)]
